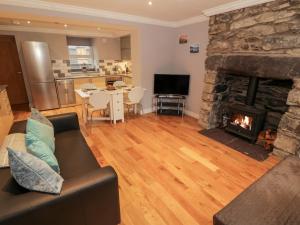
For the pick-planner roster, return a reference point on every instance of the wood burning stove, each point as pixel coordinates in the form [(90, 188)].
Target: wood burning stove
[(246, 120)]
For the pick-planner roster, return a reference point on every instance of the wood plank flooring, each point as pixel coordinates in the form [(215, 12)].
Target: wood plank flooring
[(168, 172)]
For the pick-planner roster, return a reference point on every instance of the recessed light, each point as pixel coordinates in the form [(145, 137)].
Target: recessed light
[(150, 3), (16, 22), (66, 25), (28, 22)]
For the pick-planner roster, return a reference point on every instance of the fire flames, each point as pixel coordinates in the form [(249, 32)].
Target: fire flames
[(243, 121)]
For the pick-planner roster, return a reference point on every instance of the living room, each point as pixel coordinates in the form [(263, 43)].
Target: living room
[(154, 113)]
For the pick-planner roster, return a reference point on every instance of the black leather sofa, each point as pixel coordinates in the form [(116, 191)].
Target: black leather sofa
[(89, 196)]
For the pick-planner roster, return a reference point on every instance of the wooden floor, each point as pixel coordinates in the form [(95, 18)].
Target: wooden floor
[(168, 172)]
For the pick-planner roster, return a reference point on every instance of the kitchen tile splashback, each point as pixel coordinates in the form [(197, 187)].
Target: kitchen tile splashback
[(62, 68), (109, 67)]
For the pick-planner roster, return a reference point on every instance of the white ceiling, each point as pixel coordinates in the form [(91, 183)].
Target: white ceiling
[(167, 10), (16, 24), (170, 13)]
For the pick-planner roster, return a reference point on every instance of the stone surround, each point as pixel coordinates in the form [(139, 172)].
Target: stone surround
[(262, 41)]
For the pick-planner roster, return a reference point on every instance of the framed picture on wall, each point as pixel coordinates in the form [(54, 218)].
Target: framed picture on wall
[(183, 39), (194, 48)]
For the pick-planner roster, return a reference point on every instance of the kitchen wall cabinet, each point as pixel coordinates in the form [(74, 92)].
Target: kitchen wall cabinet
[(125, 48), (6, 115)]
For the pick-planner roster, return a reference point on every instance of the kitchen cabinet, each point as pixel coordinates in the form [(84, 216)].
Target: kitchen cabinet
[(98, 81), (117, 106), (127, 80), (77, 83), (6, 115), (80, 81), (65, 92), (125, 48)]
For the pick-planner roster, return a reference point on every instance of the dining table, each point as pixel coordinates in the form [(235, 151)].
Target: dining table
[(116, 102)]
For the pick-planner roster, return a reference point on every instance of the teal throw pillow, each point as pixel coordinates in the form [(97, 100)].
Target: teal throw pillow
[(41, 150), (43, 132)]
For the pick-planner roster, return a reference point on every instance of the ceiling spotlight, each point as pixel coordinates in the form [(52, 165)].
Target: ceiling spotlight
[(150, 3), (28, 22), (66, 25), (16, 22)]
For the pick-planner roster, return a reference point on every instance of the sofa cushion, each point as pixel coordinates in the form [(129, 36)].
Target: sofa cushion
[(33, 174), (73, 154)]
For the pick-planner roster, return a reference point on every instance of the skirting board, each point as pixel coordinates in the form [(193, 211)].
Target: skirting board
[(187, 112)]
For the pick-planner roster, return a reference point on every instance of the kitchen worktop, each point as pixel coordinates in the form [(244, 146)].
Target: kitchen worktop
[(90, 75), (2, 87)]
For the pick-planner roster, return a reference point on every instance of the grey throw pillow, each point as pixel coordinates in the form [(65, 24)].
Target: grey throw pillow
[(34, 174), (36, 115)]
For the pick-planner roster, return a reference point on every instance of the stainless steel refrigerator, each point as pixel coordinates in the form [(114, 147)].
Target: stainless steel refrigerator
[(39, 74)]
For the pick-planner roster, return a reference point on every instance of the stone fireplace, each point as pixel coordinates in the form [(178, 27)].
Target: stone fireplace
[(261, 42)]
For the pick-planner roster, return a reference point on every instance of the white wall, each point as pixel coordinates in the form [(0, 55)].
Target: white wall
[(160, 52), (193, 64), (57, 42), (157, 50)]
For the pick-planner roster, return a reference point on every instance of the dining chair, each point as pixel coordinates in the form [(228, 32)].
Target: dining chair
[(88, 86), (99, 101), (134, 99), (119, 83), (84, 87)]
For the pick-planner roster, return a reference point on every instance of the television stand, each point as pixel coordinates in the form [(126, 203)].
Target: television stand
[(169, 104)]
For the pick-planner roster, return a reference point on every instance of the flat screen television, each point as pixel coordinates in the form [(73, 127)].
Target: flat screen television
[(171, 84)]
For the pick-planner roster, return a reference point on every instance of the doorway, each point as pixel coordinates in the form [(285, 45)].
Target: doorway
[(11, 72)]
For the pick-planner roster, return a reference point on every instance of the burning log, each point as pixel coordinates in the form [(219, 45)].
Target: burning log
[(266, 139)]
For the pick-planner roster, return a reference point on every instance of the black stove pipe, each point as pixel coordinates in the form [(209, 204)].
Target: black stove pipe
[(252, 89)]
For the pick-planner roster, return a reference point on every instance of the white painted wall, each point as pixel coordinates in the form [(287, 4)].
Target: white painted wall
[(157, 49), (193, 64)]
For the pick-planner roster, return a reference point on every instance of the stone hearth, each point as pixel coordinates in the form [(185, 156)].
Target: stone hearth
[(261, 41)]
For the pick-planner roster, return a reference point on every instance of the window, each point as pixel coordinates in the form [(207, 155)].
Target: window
[(80, 53), (81, 56)]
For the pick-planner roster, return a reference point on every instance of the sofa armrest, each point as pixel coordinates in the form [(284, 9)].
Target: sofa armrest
[(88, 200), (64, 122)]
